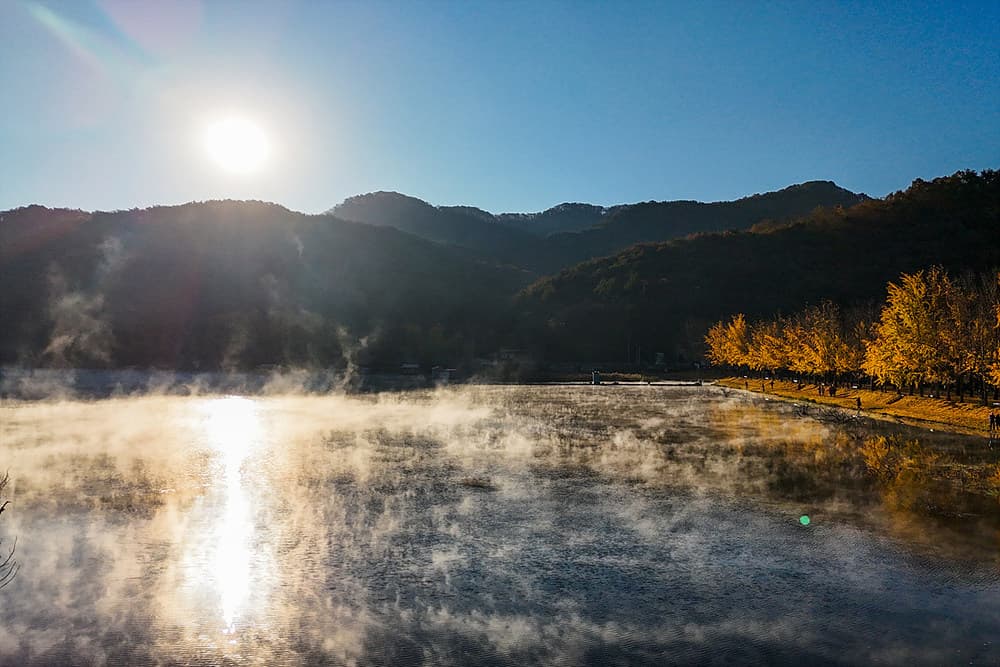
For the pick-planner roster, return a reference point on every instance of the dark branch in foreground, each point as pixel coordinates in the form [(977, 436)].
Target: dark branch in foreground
[(8, 566)]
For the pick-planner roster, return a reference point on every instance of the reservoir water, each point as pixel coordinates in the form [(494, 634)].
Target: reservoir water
[(561, 525)]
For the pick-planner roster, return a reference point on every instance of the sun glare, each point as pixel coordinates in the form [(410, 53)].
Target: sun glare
[(237, 145), (234, 429)]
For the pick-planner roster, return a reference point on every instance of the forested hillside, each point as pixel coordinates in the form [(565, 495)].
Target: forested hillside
[(664, 296), (242, 284), (236, 284), (570, 233), (473, 230), (662, 221)]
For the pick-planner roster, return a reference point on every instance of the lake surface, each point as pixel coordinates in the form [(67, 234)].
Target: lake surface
[(559, 525)]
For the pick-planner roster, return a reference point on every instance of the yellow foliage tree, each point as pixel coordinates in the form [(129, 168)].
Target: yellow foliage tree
[(816, 342), (994, 363), (728, 343), (916, 337), (931, 329), (767, 350)]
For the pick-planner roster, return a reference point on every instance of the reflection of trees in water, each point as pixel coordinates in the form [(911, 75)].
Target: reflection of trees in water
[(935, 498), (936, 490), (914, 476), (887, 469), (9, 565), (744, 448), (910, 475)]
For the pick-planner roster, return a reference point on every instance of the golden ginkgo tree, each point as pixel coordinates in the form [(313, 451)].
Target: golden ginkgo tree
[(767, 349), (729, 342), (912, 345), (817, 344), (934, 330), (931, 329)]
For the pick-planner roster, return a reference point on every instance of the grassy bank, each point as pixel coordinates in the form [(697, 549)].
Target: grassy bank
[(967, 417)]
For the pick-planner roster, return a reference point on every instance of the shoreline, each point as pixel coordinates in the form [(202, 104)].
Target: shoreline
[(918, 411)]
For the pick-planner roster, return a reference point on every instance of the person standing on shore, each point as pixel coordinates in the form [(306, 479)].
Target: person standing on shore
[(858, 399)]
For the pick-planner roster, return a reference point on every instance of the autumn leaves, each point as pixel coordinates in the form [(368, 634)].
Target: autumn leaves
[(932, 330)]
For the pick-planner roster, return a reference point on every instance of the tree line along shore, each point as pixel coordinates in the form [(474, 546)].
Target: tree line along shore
[(930, 351), (969, 417)]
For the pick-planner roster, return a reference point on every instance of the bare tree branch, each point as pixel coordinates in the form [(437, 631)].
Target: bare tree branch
[(8, 566)]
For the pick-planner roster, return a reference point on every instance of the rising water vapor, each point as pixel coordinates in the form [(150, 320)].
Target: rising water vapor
[(490, 525)]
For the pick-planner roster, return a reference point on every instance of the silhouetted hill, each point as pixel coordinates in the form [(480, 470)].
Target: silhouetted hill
[(571, 233), (565, 217), (663, 296), (467, 227), (236, 284), (243, 284), (661, 221)]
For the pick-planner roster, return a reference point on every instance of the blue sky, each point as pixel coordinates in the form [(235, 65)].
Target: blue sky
[(508, 106)]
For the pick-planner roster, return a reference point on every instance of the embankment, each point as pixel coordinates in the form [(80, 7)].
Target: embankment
[(970, 417)]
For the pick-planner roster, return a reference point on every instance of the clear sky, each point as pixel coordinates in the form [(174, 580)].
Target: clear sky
[(508, 106)]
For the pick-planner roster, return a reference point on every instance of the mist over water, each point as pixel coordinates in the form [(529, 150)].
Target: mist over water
[(483, 525)]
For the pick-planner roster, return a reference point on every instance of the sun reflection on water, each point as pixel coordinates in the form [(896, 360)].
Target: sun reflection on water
[(233, 429)]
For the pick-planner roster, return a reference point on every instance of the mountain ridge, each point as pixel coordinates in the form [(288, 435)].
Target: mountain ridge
[(237, 284), (663, 295), (228, 284), (576, 232)]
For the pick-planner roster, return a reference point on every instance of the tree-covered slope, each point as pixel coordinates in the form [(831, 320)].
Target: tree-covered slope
[(663, 296), (566, 217), (241, 284), (465, 227), (570, 233), (661, 221), (236, 284)]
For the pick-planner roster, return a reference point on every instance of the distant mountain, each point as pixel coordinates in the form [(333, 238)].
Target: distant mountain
[(236, 284), (569, 233), (562, 218), (466, 227), (624, 226), (443, 223), (229, 284), (663, 296)]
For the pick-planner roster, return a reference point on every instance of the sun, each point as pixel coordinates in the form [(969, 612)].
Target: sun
[(236, 144)]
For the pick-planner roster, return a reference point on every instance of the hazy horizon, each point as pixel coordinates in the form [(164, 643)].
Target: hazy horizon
[(329, 210)]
